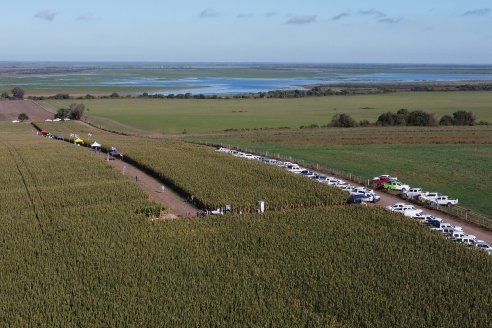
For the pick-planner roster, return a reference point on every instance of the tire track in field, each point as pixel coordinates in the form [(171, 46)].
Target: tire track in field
[(26, 186)]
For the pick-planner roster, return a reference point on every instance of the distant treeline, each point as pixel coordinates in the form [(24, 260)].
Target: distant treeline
[(317, 91), (404, 117)]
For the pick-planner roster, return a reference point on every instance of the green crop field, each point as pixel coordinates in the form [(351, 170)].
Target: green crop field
[(77, 250), (214, 179), (177, 116), (451, 160)]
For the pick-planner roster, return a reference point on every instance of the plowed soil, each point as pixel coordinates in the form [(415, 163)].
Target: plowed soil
[(10, 110)]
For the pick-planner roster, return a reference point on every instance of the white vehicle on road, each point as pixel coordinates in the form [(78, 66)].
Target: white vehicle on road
[(467, 239), (396, 206), (407, 210), (414, 193), (429, 197), (480, 244), (444, 200)]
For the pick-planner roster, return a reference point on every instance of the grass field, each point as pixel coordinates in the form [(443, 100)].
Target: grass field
[(454, 161), (75, 253), (176, 116)]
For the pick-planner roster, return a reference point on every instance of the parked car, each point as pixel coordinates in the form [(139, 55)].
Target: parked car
[(396, 185), (396, 206), (457, 233), (410, 211), (467, 239), (444, 200), (382, 179), (115, 153), (430, 196), (480, 244), (364, 198), (414, 193)]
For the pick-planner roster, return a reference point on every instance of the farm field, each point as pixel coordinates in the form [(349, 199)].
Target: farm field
[(213, 179), (454, 161), (77, 254), (177, 116)]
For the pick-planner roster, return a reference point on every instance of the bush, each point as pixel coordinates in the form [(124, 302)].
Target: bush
[(421, 118), (343, 121), (62, 96), (18, 93), (386, 119), (446, 120), (4, 95), (22, 117), (62, 113), (76, 111), (463, 118), (364, 123)]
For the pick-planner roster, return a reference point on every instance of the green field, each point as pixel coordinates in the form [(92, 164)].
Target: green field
[(453, 161), (176, 116), (76, 250)]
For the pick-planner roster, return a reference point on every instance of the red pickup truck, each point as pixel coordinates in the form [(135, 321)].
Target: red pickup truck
[(381, 180)]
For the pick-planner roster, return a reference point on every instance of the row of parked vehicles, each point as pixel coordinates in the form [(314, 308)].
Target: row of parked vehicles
[(448, 230), (358, 194), (388, 182), (365, 195)]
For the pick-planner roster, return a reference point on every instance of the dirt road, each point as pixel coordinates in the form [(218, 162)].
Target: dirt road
[(173, 202), (480, 233)]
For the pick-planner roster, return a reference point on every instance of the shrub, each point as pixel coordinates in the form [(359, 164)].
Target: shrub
[(463, 118), (22, 117), (446, 120), (421, 118), (386, 119), (18, 93), (343, 121)]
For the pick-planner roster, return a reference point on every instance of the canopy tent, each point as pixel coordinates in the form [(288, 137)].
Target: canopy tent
[(79, 141), (96, 145)]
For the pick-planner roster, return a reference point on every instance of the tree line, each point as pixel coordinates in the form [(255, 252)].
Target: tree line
[(404, 117), (15, 93)]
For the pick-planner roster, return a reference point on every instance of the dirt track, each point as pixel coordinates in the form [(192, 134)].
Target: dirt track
[(480, 233), (10, 110), (174, 203)]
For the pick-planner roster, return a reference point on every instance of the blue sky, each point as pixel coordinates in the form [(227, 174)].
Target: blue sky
[(432, 31)]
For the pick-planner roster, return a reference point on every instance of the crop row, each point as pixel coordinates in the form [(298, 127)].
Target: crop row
[(214, 180)]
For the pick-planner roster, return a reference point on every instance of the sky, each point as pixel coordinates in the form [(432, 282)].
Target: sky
[(321, 31)]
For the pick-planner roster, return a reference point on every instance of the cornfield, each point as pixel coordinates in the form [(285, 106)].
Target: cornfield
[(213, 179), (75, 252)]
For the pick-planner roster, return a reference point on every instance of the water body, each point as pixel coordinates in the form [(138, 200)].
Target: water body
[(227, 78)]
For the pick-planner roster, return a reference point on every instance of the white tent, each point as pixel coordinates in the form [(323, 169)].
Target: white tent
[(96, 145)]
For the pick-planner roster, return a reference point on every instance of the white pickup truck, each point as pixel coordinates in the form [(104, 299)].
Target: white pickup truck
[(414, 193), (429, 197), (444, 200)]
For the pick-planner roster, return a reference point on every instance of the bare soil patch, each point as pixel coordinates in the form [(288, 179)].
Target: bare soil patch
[(10, 110)]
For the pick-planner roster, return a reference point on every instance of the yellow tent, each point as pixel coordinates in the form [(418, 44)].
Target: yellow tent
[(79, 141)]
